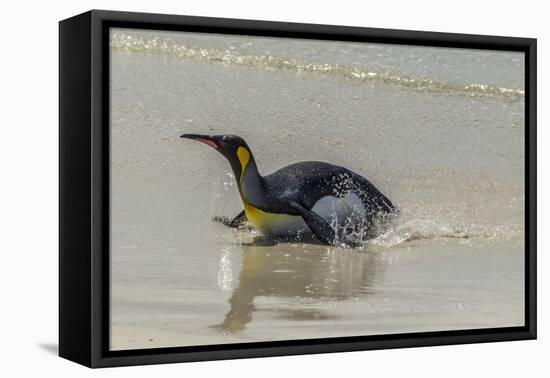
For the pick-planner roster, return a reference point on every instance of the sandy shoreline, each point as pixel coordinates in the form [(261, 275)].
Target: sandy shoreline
[(453, 164), (296, 292)]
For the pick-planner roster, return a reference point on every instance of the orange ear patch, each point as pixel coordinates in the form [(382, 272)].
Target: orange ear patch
[(244, 157), (208, 142)]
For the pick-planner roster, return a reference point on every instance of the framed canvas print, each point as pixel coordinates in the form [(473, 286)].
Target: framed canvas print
[(233, 188)]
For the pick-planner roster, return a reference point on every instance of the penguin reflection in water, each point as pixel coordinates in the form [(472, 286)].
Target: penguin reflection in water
[(337, 205)]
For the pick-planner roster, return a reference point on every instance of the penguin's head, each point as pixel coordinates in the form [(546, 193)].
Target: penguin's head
[(232, 147)]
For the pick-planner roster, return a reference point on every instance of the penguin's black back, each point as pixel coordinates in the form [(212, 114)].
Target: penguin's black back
[(309, 181)]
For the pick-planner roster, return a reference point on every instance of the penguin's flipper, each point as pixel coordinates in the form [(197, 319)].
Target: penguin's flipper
[(320, 228)]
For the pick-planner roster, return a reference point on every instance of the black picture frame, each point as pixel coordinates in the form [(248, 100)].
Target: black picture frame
[(84, 188)]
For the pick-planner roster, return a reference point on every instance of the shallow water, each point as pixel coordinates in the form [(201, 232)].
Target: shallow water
[(439, 131)]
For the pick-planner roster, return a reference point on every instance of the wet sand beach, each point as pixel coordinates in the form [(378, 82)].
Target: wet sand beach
[(439, 131)]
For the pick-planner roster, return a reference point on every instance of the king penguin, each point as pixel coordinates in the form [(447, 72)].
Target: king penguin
[(306, 195)]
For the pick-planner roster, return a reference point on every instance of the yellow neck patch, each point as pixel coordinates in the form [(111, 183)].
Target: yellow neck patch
[(244, 158), (265, 222)]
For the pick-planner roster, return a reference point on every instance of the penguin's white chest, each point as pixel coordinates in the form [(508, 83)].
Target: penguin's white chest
[(336, 211)]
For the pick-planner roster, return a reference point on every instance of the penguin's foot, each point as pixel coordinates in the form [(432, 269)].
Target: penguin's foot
[(239, 222), (226, 221)]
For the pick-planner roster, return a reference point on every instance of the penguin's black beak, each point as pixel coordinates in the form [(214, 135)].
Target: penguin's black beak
[(206, 139)]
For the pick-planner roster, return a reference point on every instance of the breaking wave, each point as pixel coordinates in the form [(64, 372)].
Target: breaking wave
[(168, 47)]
